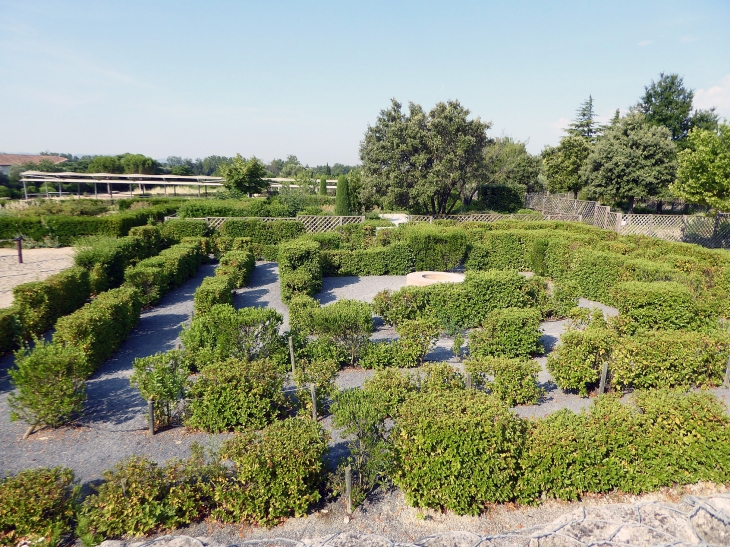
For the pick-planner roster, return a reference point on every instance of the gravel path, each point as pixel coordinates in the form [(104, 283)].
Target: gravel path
[(37, 265)]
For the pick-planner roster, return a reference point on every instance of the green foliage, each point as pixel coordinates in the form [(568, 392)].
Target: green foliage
[(211, 292), (395, 259), (244, 207), (514, 380), (703, 175), (662, 359), (138, 497), (499, 251), (390, 388), (300, 313), (99, 328), (342, 197), (300, 268), (320, 371), (416, 338), (244, 175), (457, 450), (235, 395), (502, 198), (10, 329), (237, 265), (49, 382), (441, 377), (162, 377), (322, 185), (265, 233), (278, 473), (435, 249), (667, 103), (656, 306), (576, 363), (37, 505), (563, 164), (224, 332), (40, 303), (176, 229), (348, 323), (508, 332)]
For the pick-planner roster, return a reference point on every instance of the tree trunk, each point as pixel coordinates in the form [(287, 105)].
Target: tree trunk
[(631, 204), (659, 205), (575, 194)]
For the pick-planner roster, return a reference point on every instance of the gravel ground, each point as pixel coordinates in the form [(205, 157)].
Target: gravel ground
[(37, 265)]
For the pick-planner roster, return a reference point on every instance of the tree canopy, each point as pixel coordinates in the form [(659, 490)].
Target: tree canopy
[(424, 161), (632, 159), (139, 164), (105, 164), (244, 175), (563, 164), (585, 124), (703, 175)]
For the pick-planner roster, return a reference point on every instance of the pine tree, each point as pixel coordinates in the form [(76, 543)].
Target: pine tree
[(322, 185), (327, 170), (584, 124), (342, 197)]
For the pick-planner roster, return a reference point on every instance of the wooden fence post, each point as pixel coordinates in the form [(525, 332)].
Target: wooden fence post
[(726, 383), (313, 393), (348, 488), (291, 354), (151, 413), (604, 375)]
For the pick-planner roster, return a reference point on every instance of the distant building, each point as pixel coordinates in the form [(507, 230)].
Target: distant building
[(8, 160)]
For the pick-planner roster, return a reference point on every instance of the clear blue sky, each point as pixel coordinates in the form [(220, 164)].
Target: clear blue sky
[(271, 78)]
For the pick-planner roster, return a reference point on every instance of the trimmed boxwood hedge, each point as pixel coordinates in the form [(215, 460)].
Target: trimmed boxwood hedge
[(212, 291), (176, 229), (10, 329), (265, 233), (507, 332), (395, 259), (660, 305), (300, 268)]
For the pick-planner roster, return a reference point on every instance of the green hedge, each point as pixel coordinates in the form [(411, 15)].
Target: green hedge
[(224, 332), (252, 207), (507, 332), (40, 303), (11, 329), (265, 233), (238, 265), (657, 306), (435, 248), (212, 291), (462, 450), (395, 259), (176, 229), (222, 245), (464, 305), (577, 362), (99, 328), (300, 268), (235, 395), (514, 380)]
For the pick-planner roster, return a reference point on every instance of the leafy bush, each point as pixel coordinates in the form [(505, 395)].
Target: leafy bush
[(212, 292), (456, 449), (138, 497), (662, 359), (499, 251), (300, 268), (50, 384), (320, 372), (176, 229), (441, 377), (106, 259), (435, 249), (99, 328), (222, 245), (576, 363), (390, 388), (503, 198), (417, 338), (395, 259), (40, 303), (508, 332), (514, 380), (278, 472), (656, 306), (235, 395), (224, 332), (37, 505), (10, 329), (162, 377), (266, 233), (348, 323), (237, 265), (301, 308)]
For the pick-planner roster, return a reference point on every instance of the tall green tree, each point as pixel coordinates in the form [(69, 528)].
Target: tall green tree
[(323, 185), (667, 102), (342, 197), (507, 161), (139, 164), (563, 164), (703, 175), (633, 159), (244, 175), (584, 124), (105, 164), (354, 191), (424, 161)]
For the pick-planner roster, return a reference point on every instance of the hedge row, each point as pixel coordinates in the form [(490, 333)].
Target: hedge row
[(67, 229), (232, 273), (466, 304), (156, 275), (395, 259), (264, 233), (463, 450), (254, 207), (300, 268), (649, 359)]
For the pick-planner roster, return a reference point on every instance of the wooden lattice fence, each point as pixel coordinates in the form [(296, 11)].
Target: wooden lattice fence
[(713, 232), (492, 217)]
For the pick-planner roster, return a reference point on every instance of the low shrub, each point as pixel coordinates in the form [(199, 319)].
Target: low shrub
[(266, 233), (49, 383), (514, 381), (298, 283), (300, 268), (508, 332), (320, 372), (440, 378), (301, 308), (348, 323), (163, 378), (238, 265), (656, 306), (224, 332), (663, 359), (395, 259), (176, 229), (40, 303), (416, 338), (37, 505), (235, 395), (278, 472), (11, 329), (99, 328), (212, 292), (576, 363), (456, 449), (206, 245), (435, 249), (499, 251), (138, 497), (221, 245), (390, 388)]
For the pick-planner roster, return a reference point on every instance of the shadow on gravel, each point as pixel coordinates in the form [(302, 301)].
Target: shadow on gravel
[(259, 291), (331, 284), (111, 399), (5, 364)]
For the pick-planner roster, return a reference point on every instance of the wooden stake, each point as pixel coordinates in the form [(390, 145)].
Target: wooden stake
[(726, 383), (313, 392), (604, 375), (28, 432), (151, 412), (348, 488), (291, 353)]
